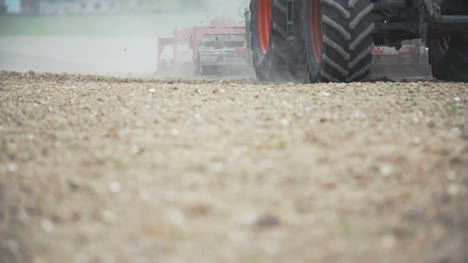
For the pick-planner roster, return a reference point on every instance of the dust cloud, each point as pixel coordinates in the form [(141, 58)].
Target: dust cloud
[(114, 44)]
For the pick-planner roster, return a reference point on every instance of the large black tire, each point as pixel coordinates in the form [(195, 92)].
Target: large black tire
[(448, 56), (339, 43), (283, 60)]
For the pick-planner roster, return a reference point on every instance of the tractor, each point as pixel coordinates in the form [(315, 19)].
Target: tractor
[(333, 40), (212, 49)]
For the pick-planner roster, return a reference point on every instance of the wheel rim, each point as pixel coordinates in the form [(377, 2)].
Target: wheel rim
[(264, 23), (316, 35)]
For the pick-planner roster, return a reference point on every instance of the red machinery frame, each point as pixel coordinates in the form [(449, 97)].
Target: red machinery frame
[(180, 36), (193, 37)]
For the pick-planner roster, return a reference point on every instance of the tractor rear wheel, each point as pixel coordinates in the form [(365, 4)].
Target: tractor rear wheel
[(338, 39), (275, 56), (448, 56)]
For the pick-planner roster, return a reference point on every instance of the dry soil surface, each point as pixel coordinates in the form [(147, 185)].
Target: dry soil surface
[(97, 169)]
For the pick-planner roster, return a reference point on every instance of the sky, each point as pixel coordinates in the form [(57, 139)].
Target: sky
[(13, 6)]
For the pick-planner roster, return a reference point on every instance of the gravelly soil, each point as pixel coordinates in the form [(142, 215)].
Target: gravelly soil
[(98, 169)]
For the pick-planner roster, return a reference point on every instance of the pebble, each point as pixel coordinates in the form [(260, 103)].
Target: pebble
[(284, 123), (452, 175), (47, 225), (108, 217), (198, 117), (13, 246), (453, 189), (175, 132), (268, 221), (385, 170), (176, 217), (217, 167), (248, 218), (11, 168), (388, 241), (115, 187), (136, 150), (359, 114)]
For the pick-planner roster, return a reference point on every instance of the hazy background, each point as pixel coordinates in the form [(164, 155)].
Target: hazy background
[(111, 37)]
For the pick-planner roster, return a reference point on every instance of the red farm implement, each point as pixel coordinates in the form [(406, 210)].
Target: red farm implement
[(210, 48)]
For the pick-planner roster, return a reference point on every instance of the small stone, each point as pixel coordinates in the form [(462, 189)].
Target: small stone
[(115, 187), (217, 167), (249, 218), (136, 150), (452, 175), (268, 221), (456, 130), (176, 217), (388, 242), (199, 209), (417, 140), (385, 170), (329, 184), (47, 225), (284, 123), (11, 168), (175, 132), (359, 115), (108, 217), (198, 117), (30, 136), (453, 189), (13, 246)]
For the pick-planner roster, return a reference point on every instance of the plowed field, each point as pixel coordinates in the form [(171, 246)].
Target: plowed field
[(96, 169)]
